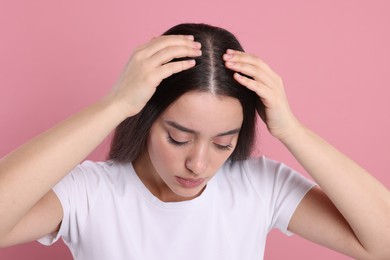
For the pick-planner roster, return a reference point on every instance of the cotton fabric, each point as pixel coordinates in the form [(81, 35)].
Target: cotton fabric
[(110, 214)]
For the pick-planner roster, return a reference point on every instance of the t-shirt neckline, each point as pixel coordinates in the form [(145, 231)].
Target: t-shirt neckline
[(206, 195)]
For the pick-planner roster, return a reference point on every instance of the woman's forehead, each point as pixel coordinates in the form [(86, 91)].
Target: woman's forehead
[(204, 111)]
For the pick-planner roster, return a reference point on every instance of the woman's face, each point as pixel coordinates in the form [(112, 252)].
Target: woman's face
[(188, 143)]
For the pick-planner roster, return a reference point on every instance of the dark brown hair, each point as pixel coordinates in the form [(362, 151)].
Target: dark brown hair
[(208, 75)]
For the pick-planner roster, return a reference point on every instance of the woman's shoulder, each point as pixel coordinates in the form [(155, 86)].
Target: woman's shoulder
[(261, 172), (260, 164), (257, 170), (96, 173), (101, 166)]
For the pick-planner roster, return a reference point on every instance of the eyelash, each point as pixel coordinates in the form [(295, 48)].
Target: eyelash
[(174, 142), (224, 147), (220, 147)]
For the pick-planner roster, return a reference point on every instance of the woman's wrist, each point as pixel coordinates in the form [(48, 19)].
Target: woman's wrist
[(294, 134), (120, 109)]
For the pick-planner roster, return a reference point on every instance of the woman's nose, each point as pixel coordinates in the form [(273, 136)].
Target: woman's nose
[(197, 161)]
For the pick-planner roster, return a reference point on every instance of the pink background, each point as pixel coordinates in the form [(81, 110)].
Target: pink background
[(57, 57)]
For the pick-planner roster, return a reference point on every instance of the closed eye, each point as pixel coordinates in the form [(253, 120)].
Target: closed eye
[(224, 147), (174, 142), (218, 146)]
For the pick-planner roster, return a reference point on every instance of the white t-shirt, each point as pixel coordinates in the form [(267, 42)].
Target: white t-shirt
[(110, 214)]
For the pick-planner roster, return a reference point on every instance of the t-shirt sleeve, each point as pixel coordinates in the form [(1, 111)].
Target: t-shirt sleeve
[(280, 188), (77, 198)]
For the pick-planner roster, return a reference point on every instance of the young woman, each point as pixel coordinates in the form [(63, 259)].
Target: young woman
[(179, 183)]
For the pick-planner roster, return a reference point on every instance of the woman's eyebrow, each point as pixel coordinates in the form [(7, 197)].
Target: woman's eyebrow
[(231, 132), (191, 131), (180, 127)]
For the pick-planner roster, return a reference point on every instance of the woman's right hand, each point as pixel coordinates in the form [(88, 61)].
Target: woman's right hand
[(148, 66), (38, 165)]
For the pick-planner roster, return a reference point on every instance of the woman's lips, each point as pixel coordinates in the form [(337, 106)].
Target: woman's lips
[(189, 183)]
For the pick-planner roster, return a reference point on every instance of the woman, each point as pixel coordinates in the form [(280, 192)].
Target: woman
[(179, 183)]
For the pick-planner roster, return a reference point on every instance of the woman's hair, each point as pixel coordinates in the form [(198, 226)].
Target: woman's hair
[(208, 75)]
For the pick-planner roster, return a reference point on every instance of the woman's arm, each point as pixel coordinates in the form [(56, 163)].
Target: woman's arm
[(360, 199), (354, 215), (30, 172)]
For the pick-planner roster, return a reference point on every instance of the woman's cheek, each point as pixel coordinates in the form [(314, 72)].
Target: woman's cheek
[(167, 152)]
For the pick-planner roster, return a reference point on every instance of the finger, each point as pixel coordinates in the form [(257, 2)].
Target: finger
[(260, 89), (159, 38), (251, 71), (165, 41), (171, 68), (242, 57), (165, 55)]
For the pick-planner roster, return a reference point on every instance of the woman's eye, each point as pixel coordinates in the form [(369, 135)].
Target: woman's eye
[(174, 142), (224, 147)]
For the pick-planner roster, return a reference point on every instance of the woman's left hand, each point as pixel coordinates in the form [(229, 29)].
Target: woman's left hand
[(331, 210), (268, 86)]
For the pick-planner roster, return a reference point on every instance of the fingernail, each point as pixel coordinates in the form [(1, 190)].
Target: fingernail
[(227, 56), (230, 51), (190, 37), (230, 64), (197, 45)]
